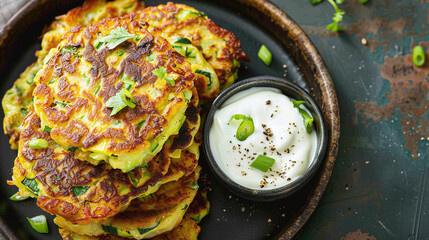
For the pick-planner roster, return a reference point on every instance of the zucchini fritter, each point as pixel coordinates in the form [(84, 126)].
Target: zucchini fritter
[(81, 192), (19, 98), (145, 217), (97, 71), (186, 230), (220, 47)]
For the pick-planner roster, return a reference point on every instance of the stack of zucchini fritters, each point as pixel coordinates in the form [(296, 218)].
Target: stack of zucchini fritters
[(106, 121)]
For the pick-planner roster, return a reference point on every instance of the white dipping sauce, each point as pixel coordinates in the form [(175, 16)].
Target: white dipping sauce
[(279, 133)]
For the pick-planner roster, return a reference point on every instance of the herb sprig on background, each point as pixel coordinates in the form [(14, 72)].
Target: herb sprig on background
[(338, 15)]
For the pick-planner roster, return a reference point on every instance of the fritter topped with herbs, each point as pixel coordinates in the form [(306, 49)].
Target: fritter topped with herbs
[(220, 47), (81, 192), (19, 98), (146, 217), (114, 91)]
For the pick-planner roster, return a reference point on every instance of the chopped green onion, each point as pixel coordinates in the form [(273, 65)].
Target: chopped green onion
[(69, 49), (31, 184), (38, 143), (315, 1), (47, 129), (263, 163), (237, 117), (297, 103), (183, 40), (110, 229), (141, 124), (79, 190), (308, 121), (170, 80), (418, 56), (245, 129), (265, 55), (363, 1), (206, 74), (187, 95), (39, 223), (16, 197)]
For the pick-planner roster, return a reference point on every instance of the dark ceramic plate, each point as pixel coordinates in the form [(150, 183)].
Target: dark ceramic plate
[(254, 22)]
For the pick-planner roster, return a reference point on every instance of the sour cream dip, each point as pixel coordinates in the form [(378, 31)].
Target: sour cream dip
[(279, 133)]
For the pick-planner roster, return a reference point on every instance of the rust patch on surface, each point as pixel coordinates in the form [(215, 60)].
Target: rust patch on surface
[(409, 87), (358, 235)]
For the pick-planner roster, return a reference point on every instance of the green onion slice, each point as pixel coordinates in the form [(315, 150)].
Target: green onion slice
[(363, 1), (16, 197), (308, 120), (245, 129), (263, 163), (237, 117), (47, 129), (418, 56), (265, 55), (38, 143), (183, 40), (39, 223)]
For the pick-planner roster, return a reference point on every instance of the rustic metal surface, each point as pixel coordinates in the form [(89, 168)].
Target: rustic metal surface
[(380, 181)]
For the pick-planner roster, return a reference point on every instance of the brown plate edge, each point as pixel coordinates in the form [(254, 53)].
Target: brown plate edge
[(312, 66), (306, 56)]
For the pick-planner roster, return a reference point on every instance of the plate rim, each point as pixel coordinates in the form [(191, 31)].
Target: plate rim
[(321, 76)]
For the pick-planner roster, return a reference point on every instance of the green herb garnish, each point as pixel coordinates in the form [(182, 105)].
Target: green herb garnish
[(31, 184), (161, 72), (246, 127), (116, 37), (122, 99), (16, 197), (338, 17), (39, 223), (39, 143), (308, 120), (263, 163), (79, 190), (419, 56), (265, 55), (69, 49), (47, 129)]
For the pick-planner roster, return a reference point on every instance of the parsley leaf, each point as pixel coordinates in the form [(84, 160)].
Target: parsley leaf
[(122, 99), (338, 17), (160, 73), (116, 37)]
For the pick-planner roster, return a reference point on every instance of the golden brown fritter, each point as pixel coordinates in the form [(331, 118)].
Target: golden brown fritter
[(81, 192), (18, 99), (105, 81)]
